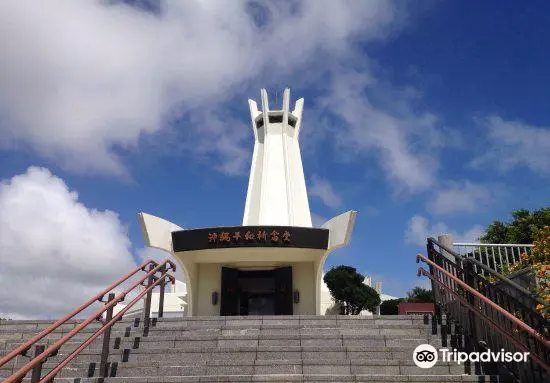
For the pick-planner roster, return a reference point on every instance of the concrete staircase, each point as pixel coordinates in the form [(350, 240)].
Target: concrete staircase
[(249, 349)]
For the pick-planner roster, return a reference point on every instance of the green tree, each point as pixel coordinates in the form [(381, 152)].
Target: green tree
[(521, 229), (389, 307), (347, 288), (420, 295)]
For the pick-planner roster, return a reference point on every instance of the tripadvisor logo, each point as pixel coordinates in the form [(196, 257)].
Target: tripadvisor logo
[(426, 356)]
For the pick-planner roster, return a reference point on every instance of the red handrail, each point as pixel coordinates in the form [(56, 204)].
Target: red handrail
[(25, 346), (97, 314), (73, 355), (486, 300), (518, 344)]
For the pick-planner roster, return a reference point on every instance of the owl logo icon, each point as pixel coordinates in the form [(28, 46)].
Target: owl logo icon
[(425, 356)]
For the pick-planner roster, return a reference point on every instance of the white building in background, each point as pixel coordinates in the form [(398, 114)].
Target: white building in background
[(174, 303)]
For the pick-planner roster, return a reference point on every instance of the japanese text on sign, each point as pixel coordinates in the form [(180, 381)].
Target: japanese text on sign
[(261, 235)]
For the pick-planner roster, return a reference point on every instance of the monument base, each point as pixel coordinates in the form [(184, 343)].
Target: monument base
[(250, 270)]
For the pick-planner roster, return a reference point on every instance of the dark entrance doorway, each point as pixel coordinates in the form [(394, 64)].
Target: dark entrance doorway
[(256, 292)]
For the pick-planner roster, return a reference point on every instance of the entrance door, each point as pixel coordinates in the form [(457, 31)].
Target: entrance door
[(257, 292), (283, 291), (229, 300)]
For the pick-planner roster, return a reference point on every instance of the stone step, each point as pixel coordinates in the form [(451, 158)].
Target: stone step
[(249, 349), (182, 336), (36, 326), (157, 348), (6, 334), (193, 322), (264, 367), (227, 332), (154, 357), (287, 378), (192, 338)]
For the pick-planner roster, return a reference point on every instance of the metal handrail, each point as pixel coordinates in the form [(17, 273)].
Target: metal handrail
[(53, 349), (109, 324), (501, 277), (480, 314), (486, 300), (22, 349), (493, 244)]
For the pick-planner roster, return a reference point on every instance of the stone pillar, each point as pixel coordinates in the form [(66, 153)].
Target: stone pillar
[(447, 241)]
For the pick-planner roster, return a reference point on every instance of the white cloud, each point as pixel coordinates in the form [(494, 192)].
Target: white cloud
[(514, 143), (419, 229), (82, 80), (391, 135), (55, 253), (322, 189), (462, 196)]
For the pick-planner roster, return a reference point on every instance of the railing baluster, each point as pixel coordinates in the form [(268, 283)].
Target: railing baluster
[(161, 296), (483, 252), (506, 255), (147, 305), (37, 371), (103, 365)]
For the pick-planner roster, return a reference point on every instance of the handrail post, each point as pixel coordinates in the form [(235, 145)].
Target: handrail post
[(437, 312), (37, 371), (103, 366), (162, 286), (471, 340), (147, 305)]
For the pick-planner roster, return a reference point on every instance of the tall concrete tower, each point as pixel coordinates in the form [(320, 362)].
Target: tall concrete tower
[(277, 192)]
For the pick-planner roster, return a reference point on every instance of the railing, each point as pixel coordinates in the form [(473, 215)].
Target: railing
[(150, 280), (487, 316), (482, 271), (495, 256)]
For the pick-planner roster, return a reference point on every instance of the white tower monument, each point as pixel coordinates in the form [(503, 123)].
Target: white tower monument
[(276, 245), (276, 190)]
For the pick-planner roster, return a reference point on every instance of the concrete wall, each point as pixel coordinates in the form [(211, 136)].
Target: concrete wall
[(303, 280), (209, 280)]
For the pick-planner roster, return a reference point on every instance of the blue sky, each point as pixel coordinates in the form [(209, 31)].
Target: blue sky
[(425, 116)]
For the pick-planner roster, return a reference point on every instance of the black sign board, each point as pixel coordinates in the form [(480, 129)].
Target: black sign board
[(250, 236)]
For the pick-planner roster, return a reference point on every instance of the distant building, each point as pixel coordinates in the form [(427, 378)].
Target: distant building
[(406, 308), (174, 303)]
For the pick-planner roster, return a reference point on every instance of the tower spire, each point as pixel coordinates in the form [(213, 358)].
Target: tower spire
[(277, 192)]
